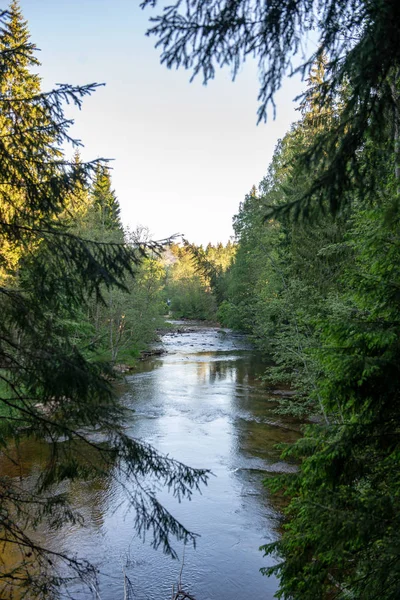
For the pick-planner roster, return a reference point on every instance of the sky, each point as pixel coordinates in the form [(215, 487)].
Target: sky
[(184, 154)]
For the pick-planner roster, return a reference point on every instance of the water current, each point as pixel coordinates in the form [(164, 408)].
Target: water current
[(203, 404)]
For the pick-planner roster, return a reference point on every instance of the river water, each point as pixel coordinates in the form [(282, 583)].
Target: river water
[(201, 403)]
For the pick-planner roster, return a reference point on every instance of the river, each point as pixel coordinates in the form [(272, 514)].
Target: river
[(201, 403)]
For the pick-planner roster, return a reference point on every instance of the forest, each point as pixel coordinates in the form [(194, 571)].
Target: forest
[(311, 276)]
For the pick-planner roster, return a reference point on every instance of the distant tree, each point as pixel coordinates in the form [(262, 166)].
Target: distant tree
[(212, 264), (77, 204), (187, 286), (104, 200)]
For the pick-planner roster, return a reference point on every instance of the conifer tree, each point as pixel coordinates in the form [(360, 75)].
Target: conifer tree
[(17, 82), (104, 200), (17, 79), (316, 114), (50, 390), (78, 203)]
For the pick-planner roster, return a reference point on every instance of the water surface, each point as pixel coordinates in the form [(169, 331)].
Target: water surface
[(202, 404)]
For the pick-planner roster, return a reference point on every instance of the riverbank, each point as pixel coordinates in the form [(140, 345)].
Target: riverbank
[(202, 403)]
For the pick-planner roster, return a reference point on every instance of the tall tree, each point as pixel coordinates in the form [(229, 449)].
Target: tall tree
[(321, 298), (341, 538), (17, 82), (50, 390), (105, 201)]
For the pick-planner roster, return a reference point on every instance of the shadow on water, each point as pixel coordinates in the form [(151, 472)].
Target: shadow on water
[(203, 404)]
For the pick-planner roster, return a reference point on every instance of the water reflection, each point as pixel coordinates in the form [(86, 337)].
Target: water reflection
[(202, 404)]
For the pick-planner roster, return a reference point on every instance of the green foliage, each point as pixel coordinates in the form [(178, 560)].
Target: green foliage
[(55, 388), (124, 322), (359, 41), (321, 298), (342, 535), (195, 279), (104, 202), (212, 263), (127, 321)]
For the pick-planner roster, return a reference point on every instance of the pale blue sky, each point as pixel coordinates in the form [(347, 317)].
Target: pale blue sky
[(185, 155)]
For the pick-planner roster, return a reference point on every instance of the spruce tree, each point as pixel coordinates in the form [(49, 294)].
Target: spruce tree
[(104, 200), (50, 389), (78, 203), (341, 536), (17, 82), (323, 299)]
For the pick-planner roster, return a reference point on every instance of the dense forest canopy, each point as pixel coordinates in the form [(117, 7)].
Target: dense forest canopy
[(312, 276), (315, 277)]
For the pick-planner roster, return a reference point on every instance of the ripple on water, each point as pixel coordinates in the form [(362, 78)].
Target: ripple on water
[(202, 404)]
